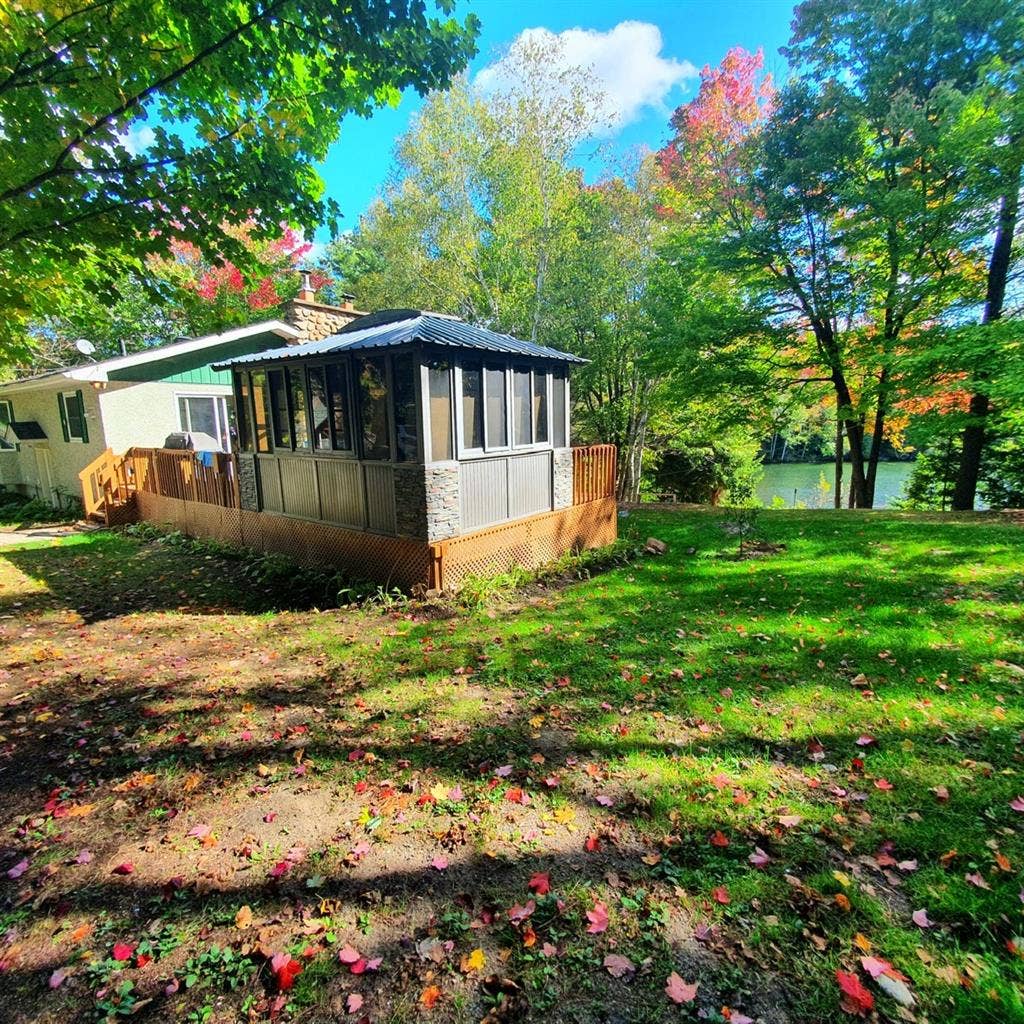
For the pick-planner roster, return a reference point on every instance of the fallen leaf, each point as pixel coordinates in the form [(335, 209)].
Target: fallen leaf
[(618, 966), (759, 858), (540, 883), (354, 1002), (439, 863), (680, 991), (920, 918), (598, 918), (429, 996), (895, 989), (856, 999), (122, 951), (244, 917), (474, 961)]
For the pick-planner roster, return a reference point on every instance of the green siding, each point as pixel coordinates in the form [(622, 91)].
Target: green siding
[(200, 375)]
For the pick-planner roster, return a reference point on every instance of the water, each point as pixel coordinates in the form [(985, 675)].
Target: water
[(782, 479)]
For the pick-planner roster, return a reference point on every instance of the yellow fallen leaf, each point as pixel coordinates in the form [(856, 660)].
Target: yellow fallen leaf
[(244, 917), (474, 961), (862, 942), (439, 792), (842, 878)]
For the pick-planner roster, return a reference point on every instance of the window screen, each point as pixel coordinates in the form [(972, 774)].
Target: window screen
[(540, 407), (242, 411), (558, 438), (497, 408), (260, 410), (279, 406), (338, 400), (319, 418), (300, 416), (472, 405), (439, 374), (373, 407), (407, 429), (521, 413)]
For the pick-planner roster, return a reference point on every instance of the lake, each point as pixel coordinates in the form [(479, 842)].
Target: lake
[(800, 483)]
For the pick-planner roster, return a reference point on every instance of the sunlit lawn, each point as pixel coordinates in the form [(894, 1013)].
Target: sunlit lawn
[(760, 768)]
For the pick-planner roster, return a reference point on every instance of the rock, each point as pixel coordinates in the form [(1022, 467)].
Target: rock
[(655, 546)]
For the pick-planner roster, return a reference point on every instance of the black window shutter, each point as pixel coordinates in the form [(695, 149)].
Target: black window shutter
[(81, 416), (63, 417)]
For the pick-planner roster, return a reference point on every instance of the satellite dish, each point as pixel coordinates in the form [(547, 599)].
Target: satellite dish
[(85, 347)]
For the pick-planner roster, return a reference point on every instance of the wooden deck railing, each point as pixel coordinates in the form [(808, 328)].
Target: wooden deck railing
[(593, 473), (181, 474), (106, 482)]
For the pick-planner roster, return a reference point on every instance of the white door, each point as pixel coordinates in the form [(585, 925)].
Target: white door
[(44, 474)]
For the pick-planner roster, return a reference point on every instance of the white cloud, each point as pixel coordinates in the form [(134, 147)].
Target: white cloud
[(626, 63), (137, 139)]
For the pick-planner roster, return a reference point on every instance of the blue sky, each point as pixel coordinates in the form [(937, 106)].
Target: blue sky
[(649, 81)]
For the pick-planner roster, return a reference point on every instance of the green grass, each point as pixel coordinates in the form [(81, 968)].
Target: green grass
[(714, 705)]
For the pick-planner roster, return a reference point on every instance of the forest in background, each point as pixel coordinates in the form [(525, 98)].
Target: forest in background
[(825, 268)]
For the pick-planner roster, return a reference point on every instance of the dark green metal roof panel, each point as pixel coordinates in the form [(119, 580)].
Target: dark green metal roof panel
[(392, 328)]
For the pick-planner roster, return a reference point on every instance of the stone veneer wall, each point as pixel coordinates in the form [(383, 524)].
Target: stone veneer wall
[(410, 501), (248, 489), (314, 320), (444, 518), (562, 465)]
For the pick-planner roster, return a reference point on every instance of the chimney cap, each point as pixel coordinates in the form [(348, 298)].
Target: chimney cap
[(306, 292)]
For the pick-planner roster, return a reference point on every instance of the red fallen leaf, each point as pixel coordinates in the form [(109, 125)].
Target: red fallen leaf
[(540, 883), (439, 863), (269, 816), (720, 895), (1017, 803), (285, 969), (124, 869), (122, 951), (873, 966), (282, 867), (521, 913), (598, 918), (142, 959), (618, 966), (920, 918), (361, 787), (883, 784), (354, 1002), (759, 858), (517, 796), (679, 991), (348, 955), (866, 740), (593, 844), (856, 999), (719, 838)]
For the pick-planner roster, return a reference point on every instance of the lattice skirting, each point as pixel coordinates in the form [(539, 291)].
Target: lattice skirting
[(529, 543), (394, 561)]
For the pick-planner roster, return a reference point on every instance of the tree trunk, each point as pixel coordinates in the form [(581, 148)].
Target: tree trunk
[(837, 498), (974, 434), (877, 431)]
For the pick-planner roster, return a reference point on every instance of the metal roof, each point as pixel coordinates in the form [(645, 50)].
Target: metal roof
[(393, 327)]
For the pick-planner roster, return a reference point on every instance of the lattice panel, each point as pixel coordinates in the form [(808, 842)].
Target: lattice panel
[(395, 561), (388, 560), (529, 543)]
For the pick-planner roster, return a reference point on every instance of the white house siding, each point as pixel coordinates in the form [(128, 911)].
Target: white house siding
[(118, 416), (18, 470), (142, 415)]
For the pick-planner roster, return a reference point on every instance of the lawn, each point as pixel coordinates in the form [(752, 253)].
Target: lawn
[(692, 788)]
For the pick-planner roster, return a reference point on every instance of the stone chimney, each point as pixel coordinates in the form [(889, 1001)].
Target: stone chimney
[(316, 320)]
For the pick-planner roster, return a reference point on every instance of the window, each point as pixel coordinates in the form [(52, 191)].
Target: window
[(279, 408), (260, 410), (407, 428), (472, 406), (540, 407), (205, 414), (521, 413), (439, 376), (300, 420), (558, 382), (71, 406), (7, 443), (242, 408), (373, 407), (338, 400), (319, 414), (497, 407)]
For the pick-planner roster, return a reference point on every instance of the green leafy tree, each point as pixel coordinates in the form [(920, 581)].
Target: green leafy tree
[(125, 121)]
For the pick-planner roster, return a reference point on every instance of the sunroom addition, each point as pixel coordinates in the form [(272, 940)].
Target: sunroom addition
[(407, 424)]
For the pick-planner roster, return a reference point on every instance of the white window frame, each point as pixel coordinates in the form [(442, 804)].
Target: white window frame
[(220, 414), (6, 444)]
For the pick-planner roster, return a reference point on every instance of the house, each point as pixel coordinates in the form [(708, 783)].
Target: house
[(53, 425), (408, 447)]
